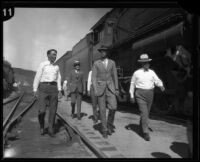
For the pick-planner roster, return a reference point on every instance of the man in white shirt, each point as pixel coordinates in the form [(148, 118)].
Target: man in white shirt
[(47, 88), (142, 86), (90, 90), (65, 89)]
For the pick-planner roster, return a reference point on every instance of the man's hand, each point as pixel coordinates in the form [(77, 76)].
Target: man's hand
[(132, 100), (88, 92), (117, 92), (59, 95), (162, 88), (84, 92)]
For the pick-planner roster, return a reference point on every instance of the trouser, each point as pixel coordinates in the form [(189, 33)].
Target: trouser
[(48, 94), (66, 94), (76, 97), (94, 103), (144, 100), (109, 98)]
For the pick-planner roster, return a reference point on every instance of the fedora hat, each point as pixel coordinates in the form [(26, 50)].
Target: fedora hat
[(103, 48), (144, 58)]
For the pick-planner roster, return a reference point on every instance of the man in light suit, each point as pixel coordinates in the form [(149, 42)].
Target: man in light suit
[(105, 82), (76, 88)]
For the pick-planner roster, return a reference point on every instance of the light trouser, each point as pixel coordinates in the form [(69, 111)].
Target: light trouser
[(109, 98), (144, 100), (48, 96), (94, 103)]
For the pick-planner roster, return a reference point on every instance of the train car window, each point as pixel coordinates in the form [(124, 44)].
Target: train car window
[(96, 37)]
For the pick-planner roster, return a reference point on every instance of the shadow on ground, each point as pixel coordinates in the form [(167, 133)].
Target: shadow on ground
[(135, 128), (160, 155), (180, 148)]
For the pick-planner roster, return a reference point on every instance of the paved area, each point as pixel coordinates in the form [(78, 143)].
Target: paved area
[(168, 138)]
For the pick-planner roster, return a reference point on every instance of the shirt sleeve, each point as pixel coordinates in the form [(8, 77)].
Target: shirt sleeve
[(132, 86), (157, 80), (59, 80), (37, 78), (89, 81)]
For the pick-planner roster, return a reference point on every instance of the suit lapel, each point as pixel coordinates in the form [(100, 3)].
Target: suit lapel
[(108, 65)]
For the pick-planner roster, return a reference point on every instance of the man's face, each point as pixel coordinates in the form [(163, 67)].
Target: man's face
[(52, 56), (146, 65), (77, 67), (103, 54)]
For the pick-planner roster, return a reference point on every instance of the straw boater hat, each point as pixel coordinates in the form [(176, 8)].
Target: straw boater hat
[(144, 58), (76, 62), (103, 48)]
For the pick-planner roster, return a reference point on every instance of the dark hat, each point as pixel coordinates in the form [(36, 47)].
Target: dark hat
[(76, 62), (103, 48), (144, 58)]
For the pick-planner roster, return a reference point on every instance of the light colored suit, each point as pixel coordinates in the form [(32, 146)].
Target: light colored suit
[(103, 77), (105, 82)]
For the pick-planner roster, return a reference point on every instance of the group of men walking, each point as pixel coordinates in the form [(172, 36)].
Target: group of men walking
[(102, 87)]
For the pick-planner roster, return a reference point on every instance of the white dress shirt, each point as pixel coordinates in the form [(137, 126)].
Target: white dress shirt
[(89, 80), (105, 62), (47, 72), (144, 80)]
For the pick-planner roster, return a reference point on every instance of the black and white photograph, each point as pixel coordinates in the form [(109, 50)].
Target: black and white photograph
[(99, 82)]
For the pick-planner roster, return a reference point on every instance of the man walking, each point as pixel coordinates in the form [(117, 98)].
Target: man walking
[(105, 82), (65, 89), (142, 86), (90, 89), (47, 87), (76, 88)]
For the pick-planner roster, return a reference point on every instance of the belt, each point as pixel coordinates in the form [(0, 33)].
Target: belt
[(49, 83)]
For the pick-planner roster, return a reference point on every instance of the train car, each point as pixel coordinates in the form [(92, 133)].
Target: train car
[(82, 51), (166, 34)]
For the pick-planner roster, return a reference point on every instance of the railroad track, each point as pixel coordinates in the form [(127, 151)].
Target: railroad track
[(13, 114), (16, 110)]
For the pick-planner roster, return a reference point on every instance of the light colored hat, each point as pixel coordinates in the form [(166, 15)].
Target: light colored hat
[(144, 58)]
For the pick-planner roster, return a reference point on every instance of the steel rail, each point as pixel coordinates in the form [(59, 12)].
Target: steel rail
[(16, 118), (8, 117), (92, 147), (10, 100)]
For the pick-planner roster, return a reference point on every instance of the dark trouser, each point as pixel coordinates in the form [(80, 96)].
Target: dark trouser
[(144, 100), (94, 103), (109, 98), (76, 97), (48, 94)]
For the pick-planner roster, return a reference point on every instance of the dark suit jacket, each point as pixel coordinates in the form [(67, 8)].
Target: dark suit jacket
[(76, 81), (104, 76)]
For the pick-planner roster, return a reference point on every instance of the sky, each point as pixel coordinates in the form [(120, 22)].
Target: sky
[(32, 31)]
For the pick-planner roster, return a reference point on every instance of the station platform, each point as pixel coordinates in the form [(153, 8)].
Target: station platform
[(168, 138)]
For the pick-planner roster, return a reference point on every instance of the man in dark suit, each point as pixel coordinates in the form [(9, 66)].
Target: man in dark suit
[(76, 88), (105, 82)]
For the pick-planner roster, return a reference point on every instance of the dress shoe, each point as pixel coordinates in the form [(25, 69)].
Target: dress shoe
[(105, 135), (50, 132), (110, 130), (73, 116), (79, 118), (146, 136)]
